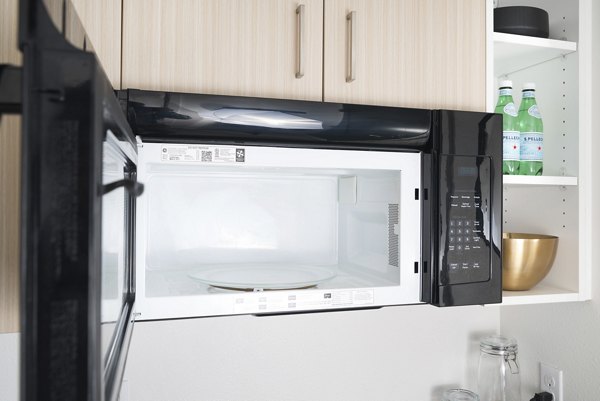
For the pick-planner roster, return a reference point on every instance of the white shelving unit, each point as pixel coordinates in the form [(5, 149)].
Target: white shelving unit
[(558, 202), (540, 294), (513, 53), (542, 180)]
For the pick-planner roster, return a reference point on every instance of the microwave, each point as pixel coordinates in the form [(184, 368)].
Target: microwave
[(141, 205), (263, 206)]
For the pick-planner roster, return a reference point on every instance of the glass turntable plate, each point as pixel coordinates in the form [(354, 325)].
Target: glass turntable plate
[(263, 276)]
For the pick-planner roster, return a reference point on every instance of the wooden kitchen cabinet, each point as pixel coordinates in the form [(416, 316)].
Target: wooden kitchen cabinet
[(410, 53), (102, 23), (10, 175), (228, 47)]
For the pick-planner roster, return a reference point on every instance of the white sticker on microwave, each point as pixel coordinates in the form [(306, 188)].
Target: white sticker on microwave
[(202, 154)]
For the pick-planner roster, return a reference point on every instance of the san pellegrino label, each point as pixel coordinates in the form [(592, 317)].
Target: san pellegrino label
[(528, 94), (511, 145), (533, 111), (532, 146), (510, 109)]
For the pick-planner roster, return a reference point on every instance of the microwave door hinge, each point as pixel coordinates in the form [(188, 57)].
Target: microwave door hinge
[(10, 89)]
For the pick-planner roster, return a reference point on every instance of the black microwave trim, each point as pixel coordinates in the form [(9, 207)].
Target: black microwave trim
[(190, 118)]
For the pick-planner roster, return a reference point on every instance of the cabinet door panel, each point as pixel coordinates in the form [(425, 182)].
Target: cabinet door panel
[(102, 23), (10, 181), (231, 47), (412, 53)]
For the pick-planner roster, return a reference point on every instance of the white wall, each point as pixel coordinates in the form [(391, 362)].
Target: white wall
[(566, 335), (9, 367), (395, 353)]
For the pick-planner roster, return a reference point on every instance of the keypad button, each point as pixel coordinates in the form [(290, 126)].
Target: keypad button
[(452, 239), (460, 239), (459, 247), (467, 239), (467, 223), (452, 223), (459, 223), (452, 231), (467, 231)]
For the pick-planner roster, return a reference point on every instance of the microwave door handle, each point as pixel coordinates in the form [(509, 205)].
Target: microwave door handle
[(133, 187)]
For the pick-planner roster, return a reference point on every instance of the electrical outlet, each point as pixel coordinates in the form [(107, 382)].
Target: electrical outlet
[(551, 380)]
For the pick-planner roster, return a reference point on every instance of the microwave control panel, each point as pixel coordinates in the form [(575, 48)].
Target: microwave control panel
[(465, 256)]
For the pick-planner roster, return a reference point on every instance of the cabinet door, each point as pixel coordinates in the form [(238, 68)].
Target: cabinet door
[(102, 23), (230, 47), (411, 53), (10, 178)]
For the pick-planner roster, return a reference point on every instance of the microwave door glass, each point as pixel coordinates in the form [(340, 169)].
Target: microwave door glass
[(114, 275), (296, 226)]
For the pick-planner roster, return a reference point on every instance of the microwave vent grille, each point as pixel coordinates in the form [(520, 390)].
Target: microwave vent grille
[(393, 240)]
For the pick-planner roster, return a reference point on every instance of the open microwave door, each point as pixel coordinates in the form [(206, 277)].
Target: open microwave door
[(79, 192)]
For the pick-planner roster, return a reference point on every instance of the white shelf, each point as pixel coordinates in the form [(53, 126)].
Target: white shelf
[(539, 294), (516, 52), (539, 180)]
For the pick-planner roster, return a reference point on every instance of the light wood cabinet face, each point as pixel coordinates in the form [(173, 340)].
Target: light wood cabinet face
[(102, 23), (410, 53), (229, 47), (10, 178)]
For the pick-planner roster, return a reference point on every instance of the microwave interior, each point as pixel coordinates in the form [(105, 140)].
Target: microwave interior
[(281, 230)]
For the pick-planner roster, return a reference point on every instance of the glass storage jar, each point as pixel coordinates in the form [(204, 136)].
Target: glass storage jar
[(498, 373)]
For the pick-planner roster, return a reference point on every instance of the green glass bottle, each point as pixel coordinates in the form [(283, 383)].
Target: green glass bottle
[(531, 131), (510, 129)]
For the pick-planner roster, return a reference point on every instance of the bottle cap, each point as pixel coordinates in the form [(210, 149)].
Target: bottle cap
[(529, 86), (506, 84)]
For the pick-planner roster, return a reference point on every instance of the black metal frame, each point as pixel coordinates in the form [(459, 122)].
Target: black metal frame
[(68, 108)]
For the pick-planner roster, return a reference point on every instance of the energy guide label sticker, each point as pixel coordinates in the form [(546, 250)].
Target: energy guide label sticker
[(202, 154)]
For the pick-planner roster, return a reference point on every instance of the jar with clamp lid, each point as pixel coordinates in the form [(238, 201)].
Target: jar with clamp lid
[(498, 374)]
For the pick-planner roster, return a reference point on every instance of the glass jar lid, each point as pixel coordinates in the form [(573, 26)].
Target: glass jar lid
[(459, 394), (498, 345)]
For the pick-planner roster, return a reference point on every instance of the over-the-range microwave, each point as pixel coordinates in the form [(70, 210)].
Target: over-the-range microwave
[(274, 206), (154, 205)]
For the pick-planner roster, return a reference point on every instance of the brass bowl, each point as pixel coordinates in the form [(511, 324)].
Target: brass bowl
[(526, 259)]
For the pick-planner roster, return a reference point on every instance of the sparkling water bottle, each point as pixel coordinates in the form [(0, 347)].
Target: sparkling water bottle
[(510, 130), (532, 133)]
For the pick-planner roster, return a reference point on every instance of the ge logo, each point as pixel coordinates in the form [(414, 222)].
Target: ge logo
[(164, 150)]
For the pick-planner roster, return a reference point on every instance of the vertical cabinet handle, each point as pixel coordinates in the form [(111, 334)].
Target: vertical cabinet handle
[(300, 41), (350, 53)]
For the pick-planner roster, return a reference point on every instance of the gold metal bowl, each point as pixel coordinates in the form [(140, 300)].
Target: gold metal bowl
[(526, 259)]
